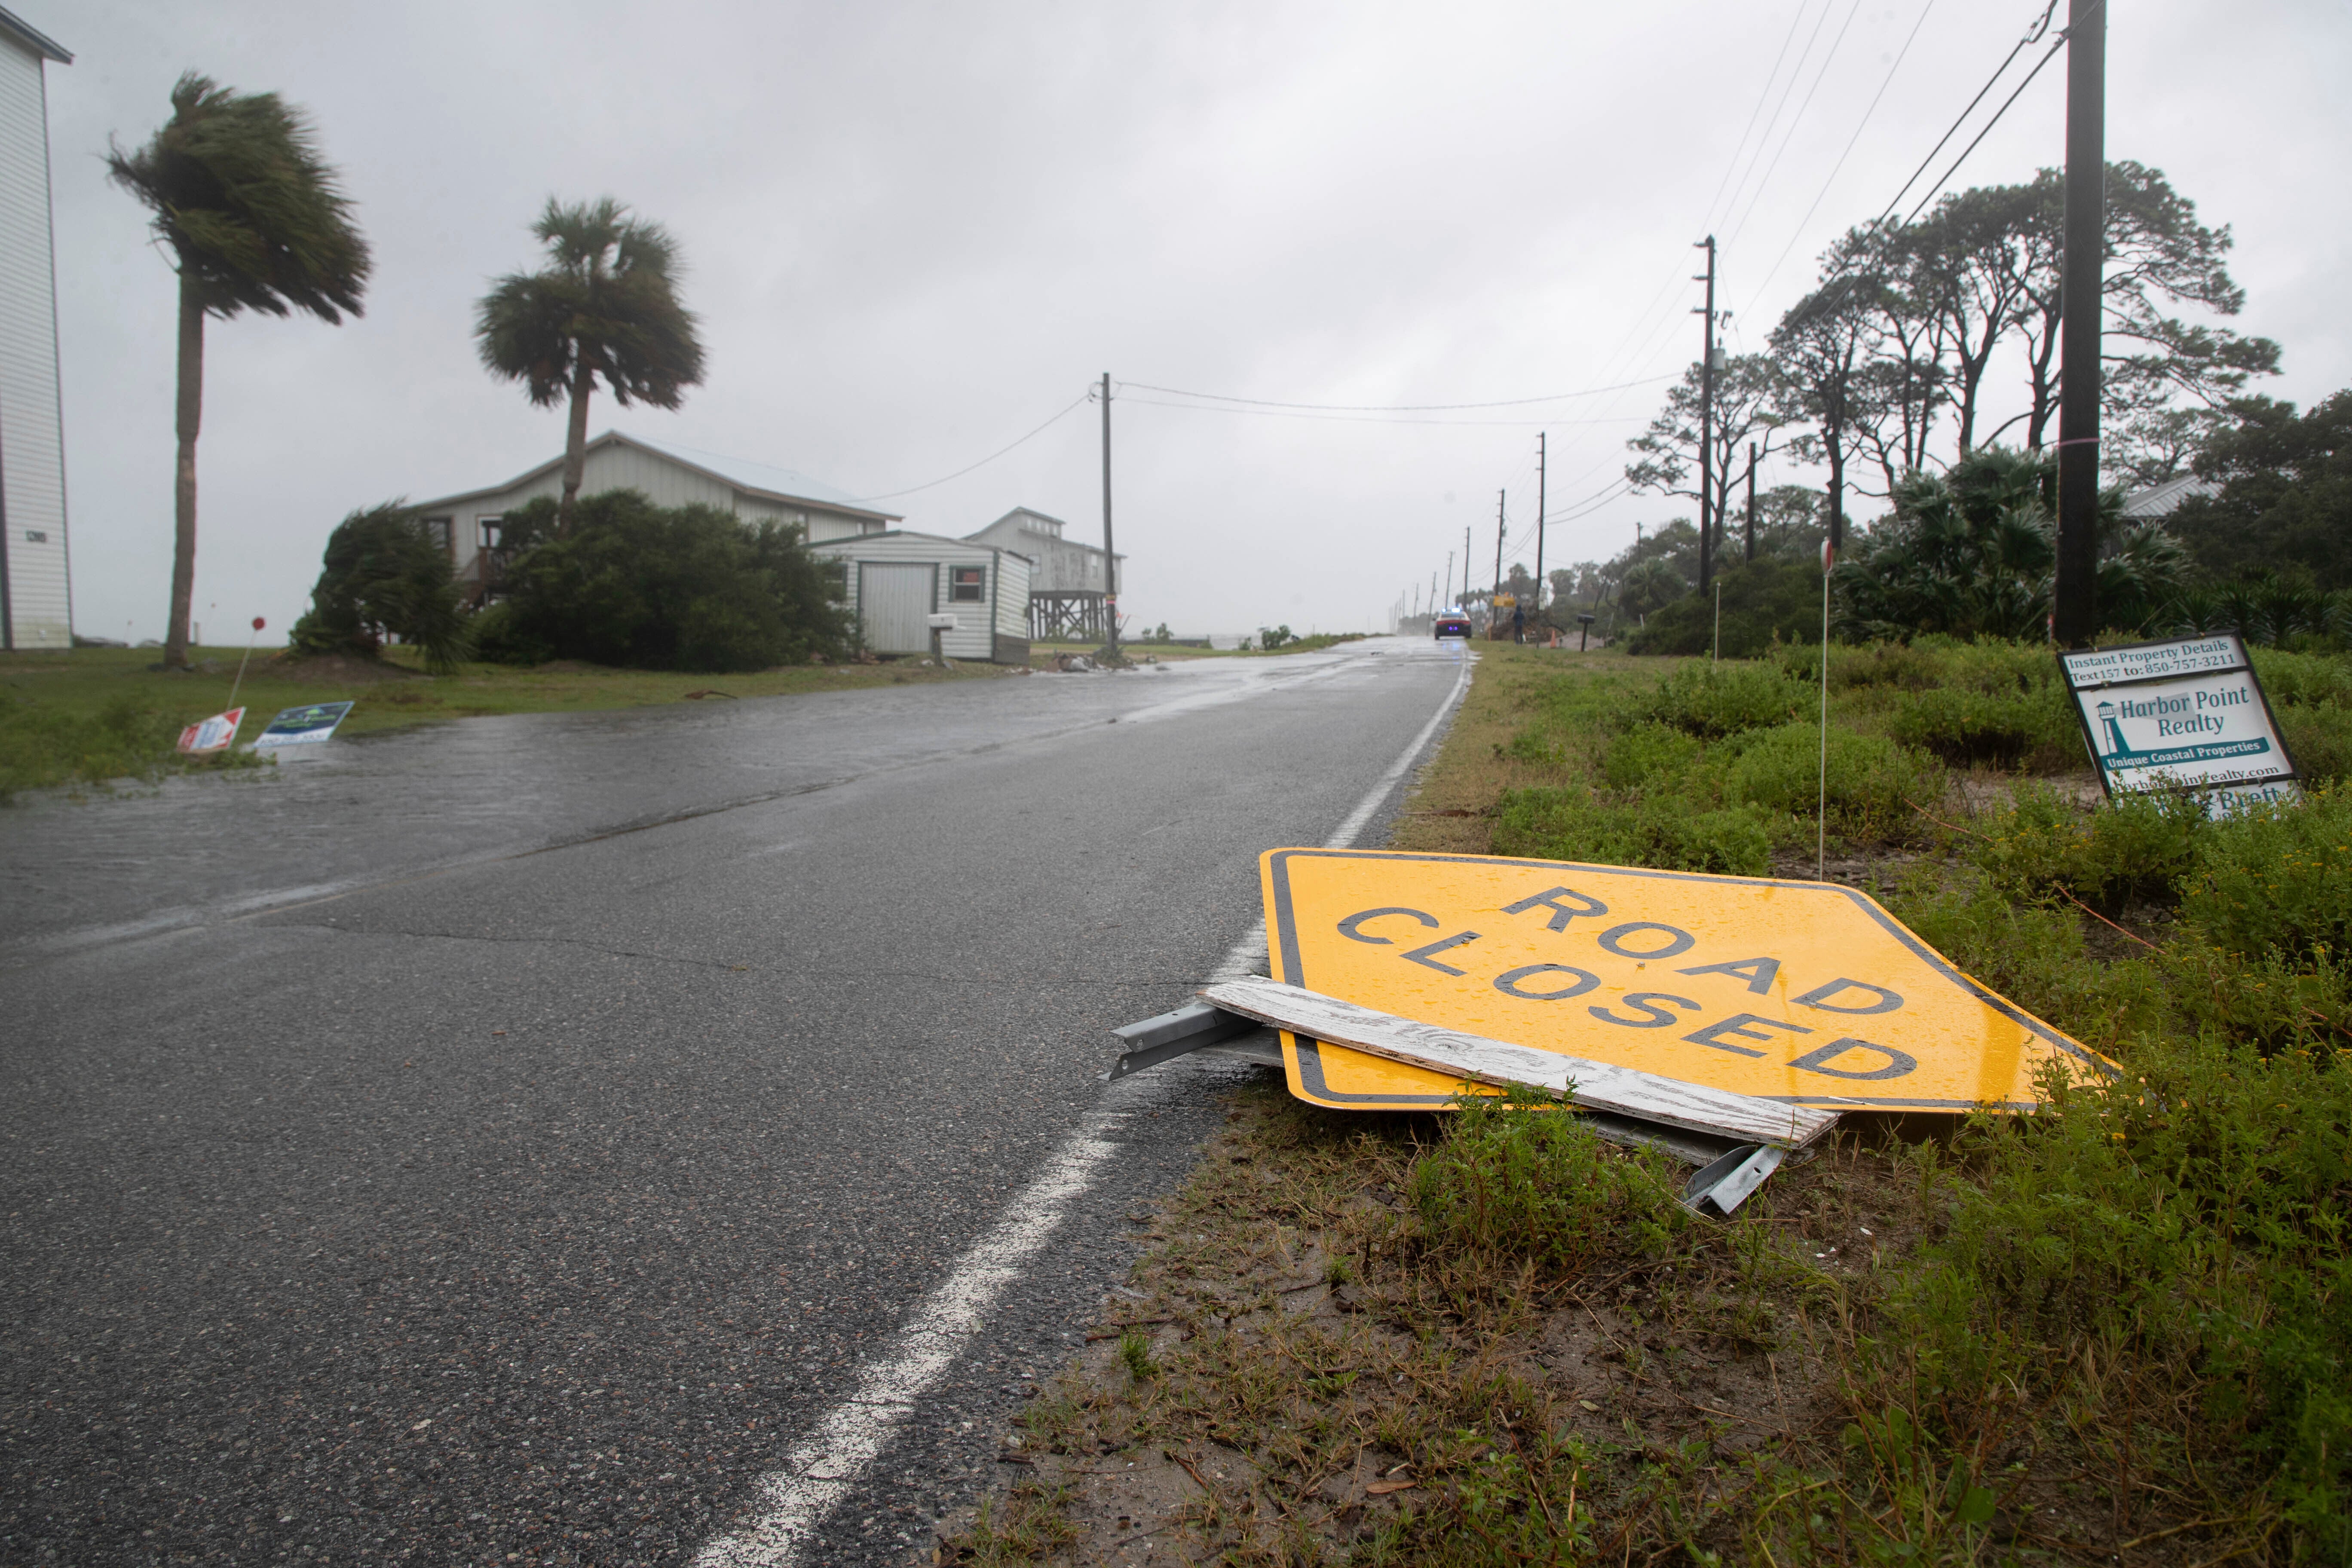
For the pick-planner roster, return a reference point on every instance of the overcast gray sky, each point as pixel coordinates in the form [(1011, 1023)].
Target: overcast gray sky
[(914, 233)]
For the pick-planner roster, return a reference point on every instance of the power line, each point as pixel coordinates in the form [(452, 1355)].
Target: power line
[(2048, 54), (893, 494), (1283, 412), (1818, 76), (2033, 36), (1770, 77), (1795, 72), (1386, 407), (1852, 141), (1846, 277)]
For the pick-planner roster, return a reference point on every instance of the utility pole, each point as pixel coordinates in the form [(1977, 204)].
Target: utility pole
[(1540, 522), (1752, 501), (1494, 610), (1449, 578), (1111, 556), (2074, 606), (1705, 416)]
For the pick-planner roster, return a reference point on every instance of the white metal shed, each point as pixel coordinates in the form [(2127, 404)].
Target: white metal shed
[(898, 579)]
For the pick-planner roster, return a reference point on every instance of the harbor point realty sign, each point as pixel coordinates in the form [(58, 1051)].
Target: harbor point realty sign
[(2186, 714)]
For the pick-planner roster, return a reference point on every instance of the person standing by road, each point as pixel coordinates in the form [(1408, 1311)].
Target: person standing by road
[(1519, 623)]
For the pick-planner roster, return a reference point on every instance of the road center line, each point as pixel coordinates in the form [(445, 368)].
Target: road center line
[(819, 1470)]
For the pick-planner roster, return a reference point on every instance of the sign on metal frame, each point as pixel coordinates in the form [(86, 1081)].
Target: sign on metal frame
[(1806, 994), (2184, 713)]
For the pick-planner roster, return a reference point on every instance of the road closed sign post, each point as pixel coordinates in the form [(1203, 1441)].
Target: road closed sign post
[(1803, 994), (2188, 713)]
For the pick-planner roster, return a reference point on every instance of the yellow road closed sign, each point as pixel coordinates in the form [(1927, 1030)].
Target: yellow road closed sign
[(1807, 993)]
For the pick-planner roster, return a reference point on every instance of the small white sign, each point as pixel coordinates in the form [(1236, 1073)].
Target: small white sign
[(2189, 713)]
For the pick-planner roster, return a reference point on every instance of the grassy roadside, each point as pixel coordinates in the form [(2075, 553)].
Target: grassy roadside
[(100, 714), (2121, 1331)]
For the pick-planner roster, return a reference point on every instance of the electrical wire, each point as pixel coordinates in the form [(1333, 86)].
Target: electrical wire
[(2048, 54), (1846, 277), (1387, 408), (1771, 75), (1852, 141), (1359, 419), (1818, 76), (892, 495), (2033, 36)]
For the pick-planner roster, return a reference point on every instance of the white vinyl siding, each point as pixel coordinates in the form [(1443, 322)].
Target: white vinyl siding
[(1012, 601), (1003, 612), (895, 599), (32, 449)]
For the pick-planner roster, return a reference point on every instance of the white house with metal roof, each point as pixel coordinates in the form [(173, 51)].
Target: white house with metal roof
[(467, 524), (36, 600)]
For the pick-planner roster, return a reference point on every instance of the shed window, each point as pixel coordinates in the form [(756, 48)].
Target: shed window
[(965, 585), (439, 530), (485, 532)]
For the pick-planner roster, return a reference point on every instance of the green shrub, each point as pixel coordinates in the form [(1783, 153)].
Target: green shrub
[(1668, 832), (2010, 729), (1714, 699), (1517, 1178), (1903, 667), (2036, 957), (1764, 602), (384, 578), (2320, 742), (2277, 877), (1647, 754), (1872, 781), (2303, 680), (646, 587), (2192, 1218), (2141, 847)]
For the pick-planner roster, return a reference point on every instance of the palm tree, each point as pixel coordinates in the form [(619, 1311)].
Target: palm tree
[(255, 219), (606, 306)]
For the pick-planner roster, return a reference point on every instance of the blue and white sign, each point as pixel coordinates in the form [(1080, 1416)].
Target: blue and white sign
[(2187, 714), (304, 726)]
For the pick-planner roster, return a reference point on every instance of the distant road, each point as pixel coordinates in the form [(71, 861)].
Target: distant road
[(516, 1136)]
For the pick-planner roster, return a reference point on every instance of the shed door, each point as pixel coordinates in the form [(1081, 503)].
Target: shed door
[(893, 600)]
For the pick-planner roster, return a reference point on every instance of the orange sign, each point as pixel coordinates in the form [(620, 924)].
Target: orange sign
[(1807, 993)]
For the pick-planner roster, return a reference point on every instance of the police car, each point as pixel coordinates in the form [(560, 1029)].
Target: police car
[(1453, 625)]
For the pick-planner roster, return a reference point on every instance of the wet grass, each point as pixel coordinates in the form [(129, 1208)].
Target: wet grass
[(95, 715), (2119, 1330)]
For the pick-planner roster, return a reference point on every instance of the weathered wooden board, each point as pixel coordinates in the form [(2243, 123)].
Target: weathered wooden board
[(1600, 1084)]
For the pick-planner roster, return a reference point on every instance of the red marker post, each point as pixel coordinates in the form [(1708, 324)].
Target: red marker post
[(243, 662)]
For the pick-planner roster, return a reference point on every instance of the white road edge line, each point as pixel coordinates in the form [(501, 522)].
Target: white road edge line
[(819, 1470)]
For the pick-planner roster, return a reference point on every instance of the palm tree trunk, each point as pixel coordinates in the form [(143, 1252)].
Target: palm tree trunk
[(184, 480), (575, 450)]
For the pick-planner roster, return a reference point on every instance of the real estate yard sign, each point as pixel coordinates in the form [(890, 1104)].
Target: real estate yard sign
[(303, 726), (2188, 713)]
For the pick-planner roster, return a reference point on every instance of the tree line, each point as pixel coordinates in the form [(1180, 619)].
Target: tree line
[(1922, 372), (253, 217)]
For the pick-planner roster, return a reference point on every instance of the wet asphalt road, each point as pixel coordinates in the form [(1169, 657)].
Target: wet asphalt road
[(495, 1142)]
